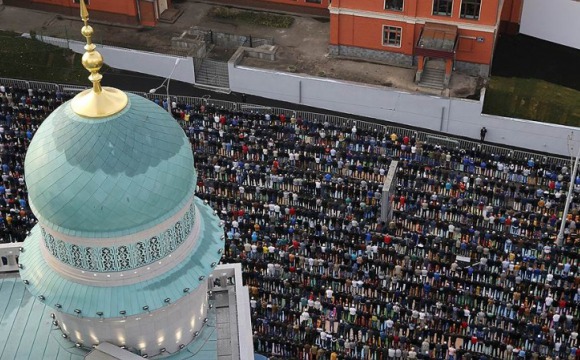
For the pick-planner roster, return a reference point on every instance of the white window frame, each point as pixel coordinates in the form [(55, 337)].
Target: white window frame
[(400, 36), (433, 6), (467, 18), (385, 7)]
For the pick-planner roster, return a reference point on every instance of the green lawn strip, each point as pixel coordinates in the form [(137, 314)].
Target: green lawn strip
[(31, 59), (252, 17), (532, 99)]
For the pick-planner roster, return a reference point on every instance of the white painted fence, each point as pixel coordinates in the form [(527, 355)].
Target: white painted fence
[(450, 115), (134, 60)]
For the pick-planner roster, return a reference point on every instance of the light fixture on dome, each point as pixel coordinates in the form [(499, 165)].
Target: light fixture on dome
[(211, 306), (100, 313), (26, 282), (55, 323), (181, 346), (186, 290), (123, 312), (78, 311), (21, 249), (78, 345), (95, 346), (52, 316), (201, 278), (163, 350), (58, 306), (196, 334), (213, 264), (144, 356), (223, 237), (205, 320), (167, 300), (41, 297), (145, 308), (20, 266), (64, 336), (123, 347), (220, 250)]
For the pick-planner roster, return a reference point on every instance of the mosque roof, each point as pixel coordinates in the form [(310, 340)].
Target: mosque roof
[(109, 176), (110, 300)]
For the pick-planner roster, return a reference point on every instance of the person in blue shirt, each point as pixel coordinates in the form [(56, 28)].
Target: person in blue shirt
[(470, 270), (368, 237)]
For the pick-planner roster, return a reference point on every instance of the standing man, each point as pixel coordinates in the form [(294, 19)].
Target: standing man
[(482, 133)]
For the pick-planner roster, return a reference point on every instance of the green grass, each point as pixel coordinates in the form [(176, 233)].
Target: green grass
[(33, 60), (532, 99), (251, 17)]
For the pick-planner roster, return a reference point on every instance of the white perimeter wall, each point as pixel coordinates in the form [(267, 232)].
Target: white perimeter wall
[(553, 20), (454, 116), (134, 60)]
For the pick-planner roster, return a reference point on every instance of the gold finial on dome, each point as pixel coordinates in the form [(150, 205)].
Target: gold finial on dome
[(98, 101)]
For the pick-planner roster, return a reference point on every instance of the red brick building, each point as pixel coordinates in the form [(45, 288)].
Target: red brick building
[(462, 33), (511, 16), (135, 12)]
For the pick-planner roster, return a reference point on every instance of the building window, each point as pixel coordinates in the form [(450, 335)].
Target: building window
[(394, 5), (79, 1), (314, 1), (392, 36), (442, 7), (470, 9)]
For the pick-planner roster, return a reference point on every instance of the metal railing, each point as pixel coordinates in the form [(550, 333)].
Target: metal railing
[(422, 136), (44, 86)]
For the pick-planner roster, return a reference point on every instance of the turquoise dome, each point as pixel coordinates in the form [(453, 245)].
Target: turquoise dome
[(109, 176)]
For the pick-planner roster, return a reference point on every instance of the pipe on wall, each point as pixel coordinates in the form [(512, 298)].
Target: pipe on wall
[(138, 11)]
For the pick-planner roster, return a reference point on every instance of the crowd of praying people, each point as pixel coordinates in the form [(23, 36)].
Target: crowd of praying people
[(464, 264)]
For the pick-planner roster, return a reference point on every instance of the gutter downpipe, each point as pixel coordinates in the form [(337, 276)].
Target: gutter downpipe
[(138, 11)]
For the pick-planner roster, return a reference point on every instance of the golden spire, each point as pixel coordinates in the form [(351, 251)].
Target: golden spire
[(98, 101)]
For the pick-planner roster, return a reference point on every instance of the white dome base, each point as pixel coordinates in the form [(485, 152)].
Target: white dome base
[(166, 328)]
